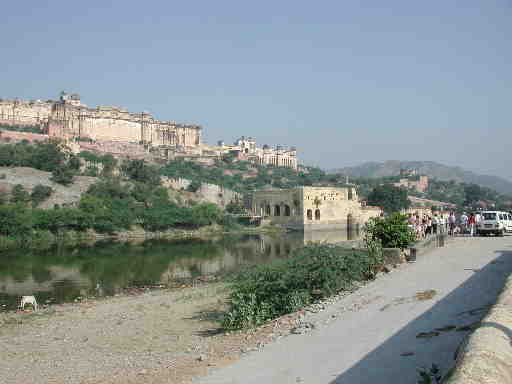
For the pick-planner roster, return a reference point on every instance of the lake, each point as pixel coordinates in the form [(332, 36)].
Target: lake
[(108, 268)]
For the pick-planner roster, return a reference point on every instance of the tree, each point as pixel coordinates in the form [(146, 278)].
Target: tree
[(62, 175), (138, 170), (109, 163), (40, 193), (473, 194), (389, 197), (48, 155), (205, 214), (19, 194), (15, 220), (235, 207), (194, 186), (392, 231)]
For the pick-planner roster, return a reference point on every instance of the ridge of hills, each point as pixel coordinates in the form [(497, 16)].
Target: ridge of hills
[(429, 168)]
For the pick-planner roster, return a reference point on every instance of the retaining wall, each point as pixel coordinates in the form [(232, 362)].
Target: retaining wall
[(485, 356)]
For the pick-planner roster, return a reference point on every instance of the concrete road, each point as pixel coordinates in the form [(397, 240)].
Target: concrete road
[(374, 335)]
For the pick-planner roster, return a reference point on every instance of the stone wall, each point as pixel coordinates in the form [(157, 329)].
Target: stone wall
[(18, 112), (486, 355), (19, 136)]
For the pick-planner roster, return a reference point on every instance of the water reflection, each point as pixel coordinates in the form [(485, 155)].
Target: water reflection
[(63, 275)]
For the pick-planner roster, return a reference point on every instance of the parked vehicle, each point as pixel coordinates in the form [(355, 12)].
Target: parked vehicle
[(495, 222)]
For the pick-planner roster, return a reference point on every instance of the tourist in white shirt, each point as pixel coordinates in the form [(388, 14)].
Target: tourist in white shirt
[(464, 222)]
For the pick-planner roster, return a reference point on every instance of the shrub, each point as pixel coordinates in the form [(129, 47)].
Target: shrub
[(194, 186), (15, 220), (264, 292), (139, 170), (392, 231), (19, 194), (62, 175), (389, 197), (235, 207), (40, 193)]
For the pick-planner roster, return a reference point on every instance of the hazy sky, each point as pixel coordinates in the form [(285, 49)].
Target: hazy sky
[(344, 81)]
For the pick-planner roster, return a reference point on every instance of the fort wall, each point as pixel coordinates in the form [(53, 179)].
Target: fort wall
[(68, 118)]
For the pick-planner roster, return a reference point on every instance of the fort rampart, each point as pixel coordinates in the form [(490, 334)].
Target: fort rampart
[(67, 118)]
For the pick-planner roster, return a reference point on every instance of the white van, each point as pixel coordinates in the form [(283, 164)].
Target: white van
[(496, 222)]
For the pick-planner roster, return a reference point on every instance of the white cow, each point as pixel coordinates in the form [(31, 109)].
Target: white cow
[(28, 300)]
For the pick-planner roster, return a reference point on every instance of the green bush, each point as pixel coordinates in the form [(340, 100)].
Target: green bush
[(19, 194), (15, 220), (264, 292), (392, 231), (62, 175), (40, 193), (194, 186)]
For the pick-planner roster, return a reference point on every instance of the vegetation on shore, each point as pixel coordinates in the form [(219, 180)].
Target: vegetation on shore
[(261, 293), (132, 199), (391, 231)]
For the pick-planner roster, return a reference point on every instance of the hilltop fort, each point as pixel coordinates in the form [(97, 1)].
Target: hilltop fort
[(118, 131)]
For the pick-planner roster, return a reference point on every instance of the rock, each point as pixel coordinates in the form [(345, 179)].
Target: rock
[(302, 327)]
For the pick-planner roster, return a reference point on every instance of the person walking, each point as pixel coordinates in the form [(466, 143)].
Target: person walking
[(429, 225), (471, 224), (463, 223), (451, 223), (478, 221), (435, 222)]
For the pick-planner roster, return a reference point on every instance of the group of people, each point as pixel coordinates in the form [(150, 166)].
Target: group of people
[(451, 224)]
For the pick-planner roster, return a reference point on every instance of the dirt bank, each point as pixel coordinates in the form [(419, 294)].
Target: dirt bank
[(157, 336)]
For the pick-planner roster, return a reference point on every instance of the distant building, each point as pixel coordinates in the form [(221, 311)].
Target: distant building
[(312, 207), (420, 184), (245, 148)]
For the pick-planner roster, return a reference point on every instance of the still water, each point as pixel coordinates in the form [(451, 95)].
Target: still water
[(63, 275)]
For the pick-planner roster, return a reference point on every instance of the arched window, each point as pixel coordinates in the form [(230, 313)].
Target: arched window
[(287, 210), (350, 194), (317, 214), (267, 210), (277, 210), (310, 214)]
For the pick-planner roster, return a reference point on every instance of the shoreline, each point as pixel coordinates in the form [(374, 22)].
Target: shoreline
[(45, 240)]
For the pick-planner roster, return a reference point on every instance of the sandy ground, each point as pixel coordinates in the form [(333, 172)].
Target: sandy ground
[(158, 336), (412, 317)]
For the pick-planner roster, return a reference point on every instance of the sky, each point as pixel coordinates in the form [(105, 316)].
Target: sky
[(344, 81)]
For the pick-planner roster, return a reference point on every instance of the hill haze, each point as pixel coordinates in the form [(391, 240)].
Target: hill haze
[(429, 168)]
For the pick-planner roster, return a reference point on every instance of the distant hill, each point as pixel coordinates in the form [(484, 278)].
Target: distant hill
[(429, 168)]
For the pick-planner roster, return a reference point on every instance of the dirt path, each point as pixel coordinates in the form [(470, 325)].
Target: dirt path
[(387, 330)]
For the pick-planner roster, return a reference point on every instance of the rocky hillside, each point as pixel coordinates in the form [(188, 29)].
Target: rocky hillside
[(30, 177), (429, 168)]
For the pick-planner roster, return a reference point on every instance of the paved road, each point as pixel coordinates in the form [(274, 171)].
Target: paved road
[(373, 338)]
